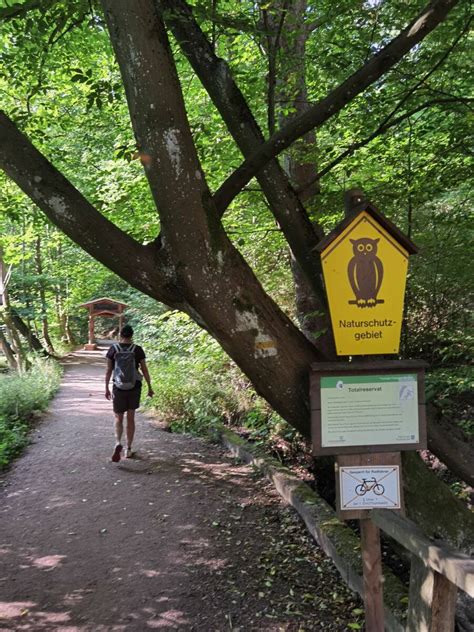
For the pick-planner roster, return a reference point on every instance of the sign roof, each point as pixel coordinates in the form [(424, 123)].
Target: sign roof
[(369, 208)]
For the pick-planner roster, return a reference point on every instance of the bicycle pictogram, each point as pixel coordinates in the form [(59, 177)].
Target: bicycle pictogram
[(369, 485)]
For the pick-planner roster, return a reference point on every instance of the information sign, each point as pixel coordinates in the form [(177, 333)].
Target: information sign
[(369, 487), (369, 409)]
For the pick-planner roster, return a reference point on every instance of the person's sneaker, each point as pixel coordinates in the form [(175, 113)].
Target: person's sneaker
[(129, 453), (117, 452)]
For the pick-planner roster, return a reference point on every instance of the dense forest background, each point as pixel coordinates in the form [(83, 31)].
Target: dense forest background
[(405, 141)]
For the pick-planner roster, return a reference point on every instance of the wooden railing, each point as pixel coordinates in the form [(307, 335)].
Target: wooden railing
[(437, 572)]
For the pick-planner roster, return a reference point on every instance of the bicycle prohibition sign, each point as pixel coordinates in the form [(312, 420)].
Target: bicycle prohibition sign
[(369, 485)]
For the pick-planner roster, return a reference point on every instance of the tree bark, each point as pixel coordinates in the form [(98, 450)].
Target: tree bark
[(284, 203), (5, 317)]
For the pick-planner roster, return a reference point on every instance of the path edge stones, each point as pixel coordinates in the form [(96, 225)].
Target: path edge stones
[(335, 538)]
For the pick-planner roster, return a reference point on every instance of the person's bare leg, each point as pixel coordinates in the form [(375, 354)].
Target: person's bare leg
[(130, 430), (118, 427), (118, 436)]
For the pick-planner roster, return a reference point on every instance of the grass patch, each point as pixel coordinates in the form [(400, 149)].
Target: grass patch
[(21, 397)]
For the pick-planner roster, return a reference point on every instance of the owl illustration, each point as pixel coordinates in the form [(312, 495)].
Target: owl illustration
[(365, 272)]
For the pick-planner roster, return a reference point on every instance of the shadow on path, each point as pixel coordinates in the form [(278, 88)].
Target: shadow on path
[(173, 539)]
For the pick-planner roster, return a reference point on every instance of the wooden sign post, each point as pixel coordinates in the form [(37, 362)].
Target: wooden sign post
[(366, 413)]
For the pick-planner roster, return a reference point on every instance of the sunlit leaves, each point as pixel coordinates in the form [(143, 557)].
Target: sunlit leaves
[(60, 82)]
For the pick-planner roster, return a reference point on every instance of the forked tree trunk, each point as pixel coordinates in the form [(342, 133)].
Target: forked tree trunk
[(219, 289)]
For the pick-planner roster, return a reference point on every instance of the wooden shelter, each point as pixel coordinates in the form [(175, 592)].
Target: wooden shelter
[(102, 307)]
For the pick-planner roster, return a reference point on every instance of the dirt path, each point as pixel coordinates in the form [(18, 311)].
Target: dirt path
[(181, 537)]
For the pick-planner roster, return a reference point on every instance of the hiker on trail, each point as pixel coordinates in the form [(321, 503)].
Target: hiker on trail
[(124, 360)]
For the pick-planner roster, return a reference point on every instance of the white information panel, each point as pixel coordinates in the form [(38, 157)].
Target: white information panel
[(370, 487), (369, 410)]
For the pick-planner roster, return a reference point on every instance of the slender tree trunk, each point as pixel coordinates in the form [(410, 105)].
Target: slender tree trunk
[(42, 295), (6, 318), (71, 340), (7, 351), (60, 289), (286, 36), (33, 342), (69, 335), (60, 314), (25, 292)]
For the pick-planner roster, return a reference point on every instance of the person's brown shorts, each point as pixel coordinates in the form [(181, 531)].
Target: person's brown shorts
[(126, 400)]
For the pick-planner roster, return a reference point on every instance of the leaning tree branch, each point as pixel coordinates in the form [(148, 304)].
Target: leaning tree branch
[(387, 123), (19, 10), (381, 129), (74, 215), (336, 100)]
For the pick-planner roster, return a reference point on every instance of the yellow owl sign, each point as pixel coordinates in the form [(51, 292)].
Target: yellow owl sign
[(365, 263)]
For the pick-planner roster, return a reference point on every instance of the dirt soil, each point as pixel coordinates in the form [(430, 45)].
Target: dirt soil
[(182, 537)]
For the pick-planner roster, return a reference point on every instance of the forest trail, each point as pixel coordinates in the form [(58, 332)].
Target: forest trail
[(181, 537)]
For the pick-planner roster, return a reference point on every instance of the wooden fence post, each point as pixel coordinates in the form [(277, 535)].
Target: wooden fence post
[(372, 566), (443, 609), (420, 596)]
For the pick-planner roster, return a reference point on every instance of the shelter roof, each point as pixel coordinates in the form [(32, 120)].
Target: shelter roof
[(103, 300)]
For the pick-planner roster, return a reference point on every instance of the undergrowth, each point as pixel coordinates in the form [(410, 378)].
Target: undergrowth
[(21, 397), (452, 390), (198, 388)]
